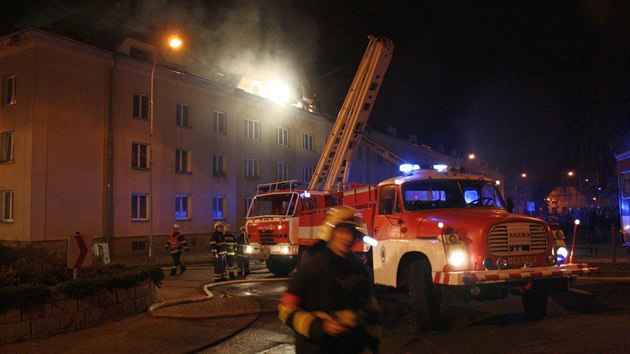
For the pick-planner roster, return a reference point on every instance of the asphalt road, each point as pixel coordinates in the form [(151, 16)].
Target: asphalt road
[(592, 318)]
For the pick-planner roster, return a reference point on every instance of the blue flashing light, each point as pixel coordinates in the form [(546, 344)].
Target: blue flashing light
[(560, 259), (407, 168), (440, 168)]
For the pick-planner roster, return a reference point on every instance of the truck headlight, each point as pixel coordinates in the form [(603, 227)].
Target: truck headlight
[(457, 258), (249, 249), (284, 249), (561, 251)]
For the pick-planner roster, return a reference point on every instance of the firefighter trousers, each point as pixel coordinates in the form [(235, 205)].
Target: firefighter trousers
[(231, 265), (219, 267), (243, 264)]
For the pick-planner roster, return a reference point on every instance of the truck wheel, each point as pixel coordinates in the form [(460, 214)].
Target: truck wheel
[(535, 301), (281, 266), (423, 298)]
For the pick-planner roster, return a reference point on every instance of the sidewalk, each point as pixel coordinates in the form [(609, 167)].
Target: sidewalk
[(143, 333)]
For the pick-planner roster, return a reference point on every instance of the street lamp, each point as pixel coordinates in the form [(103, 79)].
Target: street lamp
[(174, 42)]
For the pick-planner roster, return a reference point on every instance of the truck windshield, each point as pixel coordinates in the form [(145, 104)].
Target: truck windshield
[(273, 204), (443, 194)]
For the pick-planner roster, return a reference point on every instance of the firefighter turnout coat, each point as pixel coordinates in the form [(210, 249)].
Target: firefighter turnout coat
[(328, 286)]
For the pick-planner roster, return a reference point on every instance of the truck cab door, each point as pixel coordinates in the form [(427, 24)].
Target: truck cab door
[(388, 218)]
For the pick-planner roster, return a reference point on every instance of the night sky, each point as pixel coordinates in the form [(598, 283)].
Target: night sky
[(536, 87)]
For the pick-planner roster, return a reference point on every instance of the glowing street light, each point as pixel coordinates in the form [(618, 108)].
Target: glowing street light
[(174, 43), (471, 156), (570, 173)]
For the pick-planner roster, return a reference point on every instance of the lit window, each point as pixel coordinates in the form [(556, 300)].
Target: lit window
[(307, 174), (182, 161), (140, 106), (251, 168), (139, 209), (252, 129), (183, 115), (6, 144), (307, 142), (7, 205), (281, 171), (182, 207), (218, 207), (9, 88), (282, 136), (218, 122), (139, 154), (218, 166)]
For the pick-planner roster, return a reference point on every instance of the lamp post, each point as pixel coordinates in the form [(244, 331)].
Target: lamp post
[(516, 198), (174, 43)]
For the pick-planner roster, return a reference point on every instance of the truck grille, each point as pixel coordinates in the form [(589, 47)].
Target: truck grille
[(520, 238), (267, 239)]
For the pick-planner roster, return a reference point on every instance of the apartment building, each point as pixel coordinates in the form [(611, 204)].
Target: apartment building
[(75, 132)]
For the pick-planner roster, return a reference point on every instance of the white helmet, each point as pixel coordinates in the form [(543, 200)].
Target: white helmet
[(343, 216), (217, 224), (176, 227)]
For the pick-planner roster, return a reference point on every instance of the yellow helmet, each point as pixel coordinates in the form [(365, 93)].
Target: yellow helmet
[(342, 216), (217, 224)]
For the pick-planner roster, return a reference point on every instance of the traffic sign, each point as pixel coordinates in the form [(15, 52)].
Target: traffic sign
[(79, 251)]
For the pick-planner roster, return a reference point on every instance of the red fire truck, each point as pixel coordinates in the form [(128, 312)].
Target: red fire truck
[(439, 231)]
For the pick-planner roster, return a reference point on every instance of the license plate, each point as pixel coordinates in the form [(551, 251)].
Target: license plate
[(521, 260)]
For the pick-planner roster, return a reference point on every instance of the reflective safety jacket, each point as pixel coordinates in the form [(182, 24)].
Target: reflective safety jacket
[(230, 243), (241, 241), (217, 242), (176, 242), (328, 286)]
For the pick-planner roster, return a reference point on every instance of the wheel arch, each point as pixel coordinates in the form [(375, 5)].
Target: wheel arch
[(402, 276)]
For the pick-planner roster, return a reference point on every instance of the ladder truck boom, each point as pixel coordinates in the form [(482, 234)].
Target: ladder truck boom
[(334, 163)]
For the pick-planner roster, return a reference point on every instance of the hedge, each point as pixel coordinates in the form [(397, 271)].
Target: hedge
[(30, 277)]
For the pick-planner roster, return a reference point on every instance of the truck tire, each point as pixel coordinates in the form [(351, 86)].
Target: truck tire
[(281, 266), (535, 301), (423, 296)]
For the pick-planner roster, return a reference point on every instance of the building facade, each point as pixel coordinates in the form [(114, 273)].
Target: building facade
[(81, 152)]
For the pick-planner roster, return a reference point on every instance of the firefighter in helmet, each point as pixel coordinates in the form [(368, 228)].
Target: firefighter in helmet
[(176, 244), (243, 259), (230, 251), (217, 246), (329, 303)]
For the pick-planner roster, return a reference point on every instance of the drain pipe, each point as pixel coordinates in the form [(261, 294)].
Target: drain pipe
[(109, 164)]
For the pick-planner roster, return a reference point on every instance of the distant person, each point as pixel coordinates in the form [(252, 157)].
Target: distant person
[(329, 303), (217, 246), (177, 244), (509, 204), (243, 259), (230, 251)]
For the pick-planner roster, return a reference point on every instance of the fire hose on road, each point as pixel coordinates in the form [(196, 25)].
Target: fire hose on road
[(252, 307)]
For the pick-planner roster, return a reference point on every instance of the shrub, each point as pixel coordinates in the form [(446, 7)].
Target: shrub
[(31, 276), (31, 265)]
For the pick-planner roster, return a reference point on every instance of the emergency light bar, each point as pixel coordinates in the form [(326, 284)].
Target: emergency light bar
[(407, 168)]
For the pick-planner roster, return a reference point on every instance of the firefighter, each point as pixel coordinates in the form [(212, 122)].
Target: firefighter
[(217, 245), (243, 259), (230, 251), (176, 244), (329, 303)]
